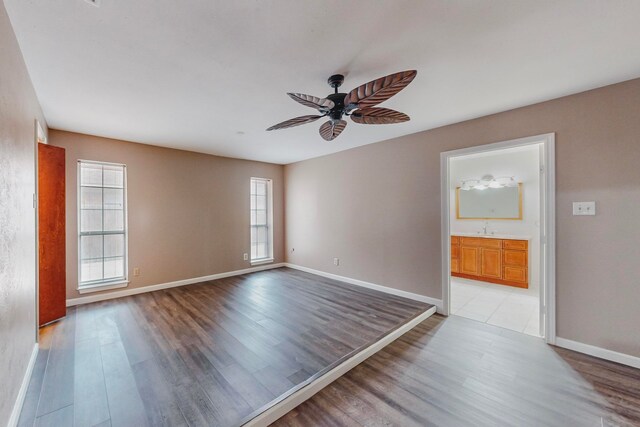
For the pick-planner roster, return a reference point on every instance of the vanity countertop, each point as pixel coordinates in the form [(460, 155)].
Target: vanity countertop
[(493, 236)]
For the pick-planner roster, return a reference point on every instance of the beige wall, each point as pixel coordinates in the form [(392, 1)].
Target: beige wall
[(188, 213), (377, 207), (18, 110)]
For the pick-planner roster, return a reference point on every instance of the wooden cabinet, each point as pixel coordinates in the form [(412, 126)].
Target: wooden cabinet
[(502, 261)]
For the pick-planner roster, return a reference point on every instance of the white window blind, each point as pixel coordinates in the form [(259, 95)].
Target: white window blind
[(261, 223), (102, 220)]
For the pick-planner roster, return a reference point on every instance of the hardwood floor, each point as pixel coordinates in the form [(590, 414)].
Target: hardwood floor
[(210, 354), (458, 372)]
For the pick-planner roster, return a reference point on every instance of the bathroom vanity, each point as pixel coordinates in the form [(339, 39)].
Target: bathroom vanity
[(491, 258)]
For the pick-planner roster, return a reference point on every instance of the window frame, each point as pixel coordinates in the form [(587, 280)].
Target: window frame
[(269, 213), (112, 283)]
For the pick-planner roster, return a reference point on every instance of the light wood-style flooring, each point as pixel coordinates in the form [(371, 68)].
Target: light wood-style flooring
[(459, 372), (210, 354)]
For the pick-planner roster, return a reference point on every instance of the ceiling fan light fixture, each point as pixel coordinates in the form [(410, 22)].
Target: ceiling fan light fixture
[(488, 181)]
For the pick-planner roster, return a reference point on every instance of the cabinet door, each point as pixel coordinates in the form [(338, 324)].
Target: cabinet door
[(455, 267), (469, 260), (490, 263), (455, 255), (455, 252)]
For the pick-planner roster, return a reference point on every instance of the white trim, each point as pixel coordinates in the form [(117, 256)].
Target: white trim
[(602, 353), (385, 289), (269, 182), (22, 393), (284, 406), (125, 205), (547, 264), (87, 289), (151, 288), (262, 261), (550, 224)]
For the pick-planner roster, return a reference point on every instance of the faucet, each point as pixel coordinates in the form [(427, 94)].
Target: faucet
[(485, 228)]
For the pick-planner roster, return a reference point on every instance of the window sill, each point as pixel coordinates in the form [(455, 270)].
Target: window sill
[(103, 286), (262, 261)]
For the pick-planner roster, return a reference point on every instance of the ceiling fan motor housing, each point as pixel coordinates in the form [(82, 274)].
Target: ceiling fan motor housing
[(337, 111)]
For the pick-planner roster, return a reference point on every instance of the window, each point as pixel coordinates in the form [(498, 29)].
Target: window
[(102, 224), (261, 223)]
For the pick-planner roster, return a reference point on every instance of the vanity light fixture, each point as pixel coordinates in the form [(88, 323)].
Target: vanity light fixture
[(488, 181)]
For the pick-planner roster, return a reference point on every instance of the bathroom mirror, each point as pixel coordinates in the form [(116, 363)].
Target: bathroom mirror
[(490, 203)]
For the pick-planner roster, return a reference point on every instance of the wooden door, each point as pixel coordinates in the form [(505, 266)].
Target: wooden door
[(51, 234), (469, 260), (491, 263)]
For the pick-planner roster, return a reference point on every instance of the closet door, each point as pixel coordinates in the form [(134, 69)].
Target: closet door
[(51, 234)]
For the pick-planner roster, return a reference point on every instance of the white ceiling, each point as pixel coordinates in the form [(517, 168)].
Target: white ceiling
[(211, 75)]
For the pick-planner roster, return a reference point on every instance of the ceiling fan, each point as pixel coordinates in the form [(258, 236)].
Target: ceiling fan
[(359, 104)]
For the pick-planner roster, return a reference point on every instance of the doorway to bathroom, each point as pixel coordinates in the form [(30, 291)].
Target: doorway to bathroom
[(498, 234)]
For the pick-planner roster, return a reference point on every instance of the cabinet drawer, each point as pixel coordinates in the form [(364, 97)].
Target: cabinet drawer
[(455, 240), (455, 252), (480, 242), (515, 274), (515, 244), (514, 258)]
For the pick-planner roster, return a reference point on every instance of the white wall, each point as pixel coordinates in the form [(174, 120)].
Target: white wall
[(523, 163)]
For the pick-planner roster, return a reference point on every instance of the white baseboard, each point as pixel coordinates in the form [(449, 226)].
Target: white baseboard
[(17, 406), (151, 288), (285, 405), (386, 289), (602, 353)]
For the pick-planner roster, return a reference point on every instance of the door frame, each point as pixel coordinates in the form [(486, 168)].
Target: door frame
[(40, 138), (547, 223)]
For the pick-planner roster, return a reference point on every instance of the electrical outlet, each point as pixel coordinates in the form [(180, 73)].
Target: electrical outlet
[(336, 261), (246, 257), (136, 271), (584, 208)]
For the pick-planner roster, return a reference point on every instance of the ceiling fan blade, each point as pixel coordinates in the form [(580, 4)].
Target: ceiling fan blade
[(322, 104), (331, 129), (379, 90), (296, 121), (378, 116)]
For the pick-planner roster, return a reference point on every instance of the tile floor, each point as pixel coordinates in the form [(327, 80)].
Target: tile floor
[(504, 306)]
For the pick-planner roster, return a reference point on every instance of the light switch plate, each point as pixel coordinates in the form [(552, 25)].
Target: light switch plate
[(584, 208)]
